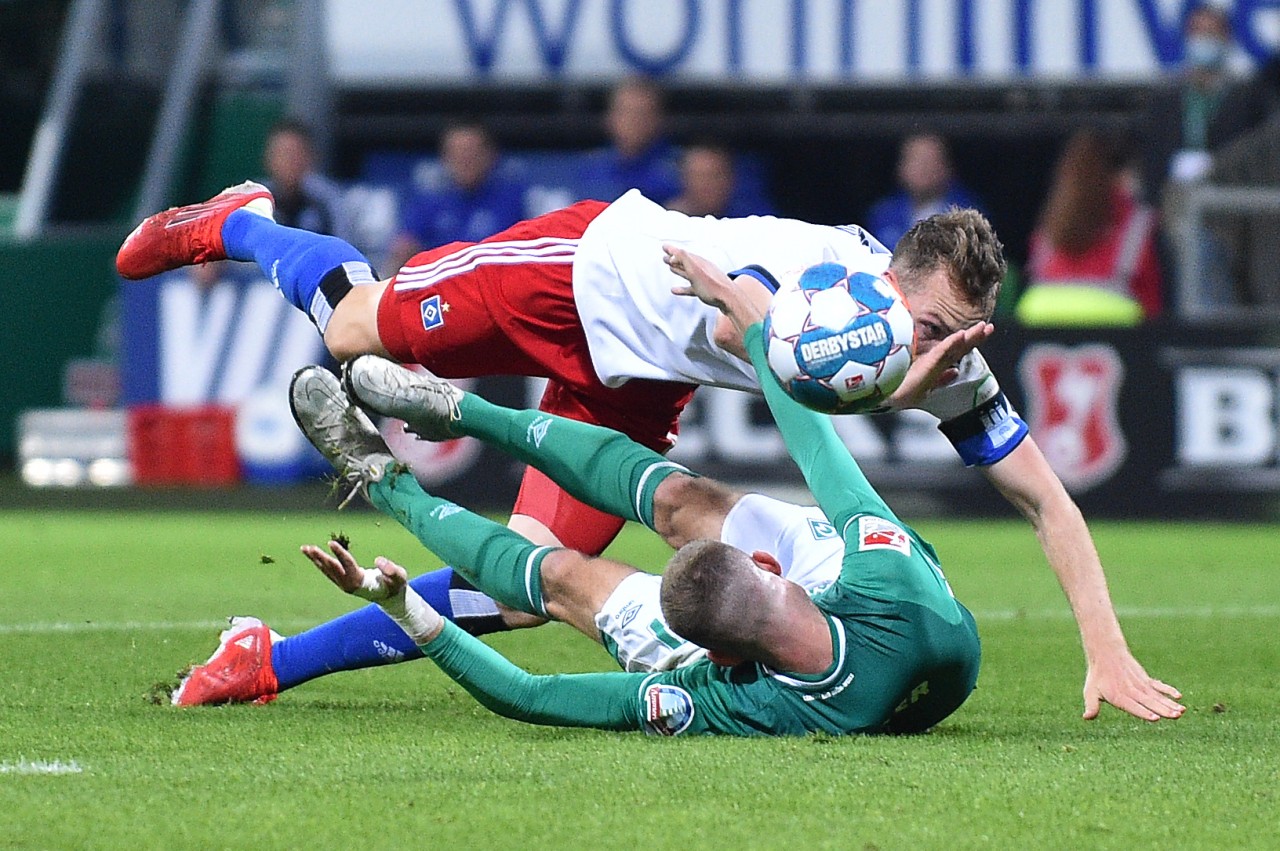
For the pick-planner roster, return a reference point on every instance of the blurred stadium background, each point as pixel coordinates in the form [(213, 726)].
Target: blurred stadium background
[(169, 396), (114, 109)]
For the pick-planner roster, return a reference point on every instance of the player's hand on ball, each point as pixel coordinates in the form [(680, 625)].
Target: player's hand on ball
[(343, 570), (937, 366)]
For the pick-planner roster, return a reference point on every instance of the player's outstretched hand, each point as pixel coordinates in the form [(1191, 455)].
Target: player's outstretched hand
[(1124, 684), (706, 280), (342, 570), (743, 300), (937, 366)]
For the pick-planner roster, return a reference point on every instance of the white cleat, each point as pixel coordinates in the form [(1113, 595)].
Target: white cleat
[(342, 432), (427, 404)]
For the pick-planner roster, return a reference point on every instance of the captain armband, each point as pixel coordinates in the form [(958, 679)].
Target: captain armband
[(986, 434)]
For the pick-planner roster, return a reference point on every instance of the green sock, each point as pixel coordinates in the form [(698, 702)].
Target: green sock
[(501, 563), (604, 468)]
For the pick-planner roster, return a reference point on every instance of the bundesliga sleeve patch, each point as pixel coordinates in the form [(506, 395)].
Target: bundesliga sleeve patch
[(876, 533), (668, 710)]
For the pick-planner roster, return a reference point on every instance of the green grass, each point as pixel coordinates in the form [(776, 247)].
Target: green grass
[(399, 757)]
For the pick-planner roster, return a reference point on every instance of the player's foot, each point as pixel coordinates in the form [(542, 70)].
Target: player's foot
[(185, 236), (342, 432), (427, 404), (239, 671)]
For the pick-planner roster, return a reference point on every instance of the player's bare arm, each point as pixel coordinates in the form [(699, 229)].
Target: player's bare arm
[(1113, 675)]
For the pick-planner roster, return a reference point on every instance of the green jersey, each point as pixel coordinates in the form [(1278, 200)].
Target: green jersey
[(906, 653)]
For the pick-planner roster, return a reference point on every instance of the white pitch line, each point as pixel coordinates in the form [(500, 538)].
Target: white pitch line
[(129, 626), (981, 615), (23, 766)]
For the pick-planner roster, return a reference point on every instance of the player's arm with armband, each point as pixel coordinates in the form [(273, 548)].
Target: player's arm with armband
[(990, 435)]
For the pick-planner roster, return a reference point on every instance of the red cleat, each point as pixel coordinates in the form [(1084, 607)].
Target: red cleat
[(239, 671), (185, 236)]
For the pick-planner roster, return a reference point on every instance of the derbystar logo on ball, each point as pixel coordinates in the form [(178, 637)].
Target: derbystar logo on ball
[(839, 342)]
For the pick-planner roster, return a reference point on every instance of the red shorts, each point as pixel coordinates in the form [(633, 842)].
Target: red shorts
[(504, 306)]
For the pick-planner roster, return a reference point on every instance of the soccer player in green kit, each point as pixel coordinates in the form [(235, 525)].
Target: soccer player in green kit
[(884, 648)]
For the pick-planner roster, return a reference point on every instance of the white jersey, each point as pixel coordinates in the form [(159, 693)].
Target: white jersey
[(801, 538), (636, 328)]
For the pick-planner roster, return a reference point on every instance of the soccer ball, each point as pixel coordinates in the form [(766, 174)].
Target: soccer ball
[(839, 343)]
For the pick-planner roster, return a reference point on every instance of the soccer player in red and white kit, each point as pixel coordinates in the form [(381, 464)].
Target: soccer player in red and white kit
[(582, 296)]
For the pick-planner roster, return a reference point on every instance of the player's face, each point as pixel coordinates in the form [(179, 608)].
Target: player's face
[(939, 309)]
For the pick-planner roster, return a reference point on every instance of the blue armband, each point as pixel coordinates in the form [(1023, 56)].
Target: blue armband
[(760, 273), (987, 433)]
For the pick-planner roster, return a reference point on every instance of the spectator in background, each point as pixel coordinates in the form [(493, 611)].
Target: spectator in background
[(927, 186), (638, 156), (1247, 245), (1207, 105), (1093, 259), (709, 185), (1208, 124), (468, 195), (305, 198)]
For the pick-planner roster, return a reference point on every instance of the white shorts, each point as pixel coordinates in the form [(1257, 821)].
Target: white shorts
[(800, 537)]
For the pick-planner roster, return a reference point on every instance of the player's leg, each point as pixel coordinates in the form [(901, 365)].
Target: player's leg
[(505, 565), (600, 466), (541, 504), (253, 663), (367, 637), (314, 272), (689, 508)]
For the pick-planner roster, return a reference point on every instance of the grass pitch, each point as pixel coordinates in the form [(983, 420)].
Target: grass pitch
[(98, 606)]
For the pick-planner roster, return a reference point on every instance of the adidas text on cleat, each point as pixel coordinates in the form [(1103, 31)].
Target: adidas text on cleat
[(239, 671), (427, 404), (342, 432), (186, 236)]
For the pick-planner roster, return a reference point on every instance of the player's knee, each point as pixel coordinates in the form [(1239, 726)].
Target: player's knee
[(687, 508), (353, 328), (562, 573)]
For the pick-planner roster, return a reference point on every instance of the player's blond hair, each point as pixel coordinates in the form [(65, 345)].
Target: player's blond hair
[(962, 242), (710, 596)]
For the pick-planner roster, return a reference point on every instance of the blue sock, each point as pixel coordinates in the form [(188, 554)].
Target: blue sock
[(312, 271), (367, 637)]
